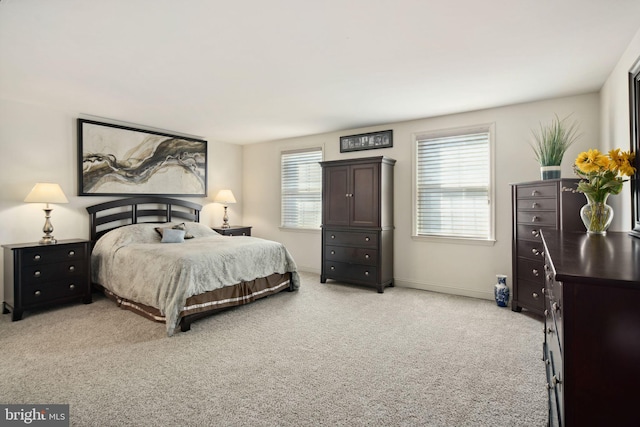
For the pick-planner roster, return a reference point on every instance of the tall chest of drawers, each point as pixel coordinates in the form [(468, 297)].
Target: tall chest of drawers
[(592, 328), (537, 206), (37, 276), (357, 221)]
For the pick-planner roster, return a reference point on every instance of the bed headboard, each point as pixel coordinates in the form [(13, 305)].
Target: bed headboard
[(134, 210)]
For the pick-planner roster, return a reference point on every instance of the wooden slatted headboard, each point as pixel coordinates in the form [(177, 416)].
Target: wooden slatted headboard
[(134, 210)]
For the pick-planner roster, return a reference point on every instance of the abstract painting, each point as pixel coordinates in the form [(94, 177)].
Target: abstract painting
[(119, 160)]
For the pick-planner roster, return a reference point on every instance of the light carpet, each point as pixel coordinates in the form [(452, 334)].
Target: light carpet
[(328, 355)]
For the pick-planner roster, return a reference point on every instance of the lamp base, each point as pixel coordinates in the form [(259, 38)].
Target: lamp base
[(225, 219), (48, 240)]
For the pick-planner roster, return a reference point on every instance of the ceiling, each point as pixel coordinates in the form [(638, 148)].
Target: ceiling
[(259, 70)]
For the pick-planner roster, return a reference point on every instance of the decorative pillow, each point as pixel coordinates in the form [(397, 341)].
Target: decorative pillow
[(172, 235), (181, 226)]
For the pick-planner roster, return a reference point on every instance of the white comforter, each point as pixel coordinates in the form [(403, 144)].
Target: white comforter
[(132, 263)]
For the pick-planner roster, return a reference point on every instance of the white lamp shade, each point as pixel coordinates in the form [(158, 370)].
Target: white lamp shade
[(45, 192), (225, 197)]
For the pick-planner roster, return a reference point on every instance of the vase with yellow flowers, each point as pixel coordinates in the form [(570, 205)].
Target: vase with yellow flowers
[(601, 175)]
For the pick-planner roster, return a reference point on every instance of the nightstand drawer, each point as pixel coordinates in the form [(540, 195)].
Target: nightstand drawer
[(49, 272), (51, 254), (46, 292)]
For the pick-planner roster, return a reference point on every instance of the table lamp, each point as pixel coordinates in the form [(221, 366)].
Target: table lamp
[(225, 197), (44, 192)]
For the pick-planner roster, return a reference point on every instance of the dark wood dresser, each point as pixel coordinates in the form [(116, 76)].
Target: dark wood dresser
[(592, 328), (538, 205), (37, 276), (357, 221)]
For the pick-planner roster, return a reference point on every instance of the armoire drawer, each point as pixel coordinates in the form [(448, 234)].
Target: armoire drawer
[(350, 272), (352, 255), (362, 239)]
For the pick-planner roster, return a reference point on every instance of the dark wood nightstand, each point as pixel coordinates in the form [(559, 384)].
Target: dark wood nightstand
[(234, 230), (37, 276)]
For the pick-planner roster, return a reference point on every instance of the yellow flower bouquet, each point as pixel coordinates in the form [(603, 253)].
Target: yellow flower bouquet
[(601, 175)]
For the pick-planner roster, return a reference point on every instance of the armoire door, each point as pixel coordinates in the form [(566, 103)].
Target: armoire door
[(364, 196), (336, 199)]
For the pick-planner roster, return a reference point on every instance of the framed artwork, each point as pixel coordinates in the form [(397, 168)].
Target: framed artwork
[(116, 160), (366, 141)]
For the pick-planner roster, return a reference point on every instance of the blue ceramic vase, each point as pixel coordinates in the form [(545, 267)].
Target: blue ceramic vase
[(501, 291)]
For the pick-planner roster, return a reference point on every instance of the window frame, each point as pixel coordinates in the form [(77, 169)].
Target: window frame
[(436, 133), (282, 226)]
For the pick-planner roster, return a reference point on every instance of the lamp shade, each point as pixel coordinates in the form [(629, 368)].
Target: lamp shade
[(45, 192), (224, 197)]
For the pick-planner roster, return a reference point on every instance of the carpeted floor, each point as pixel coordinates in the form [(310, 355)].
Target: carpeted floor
[(327, 355)]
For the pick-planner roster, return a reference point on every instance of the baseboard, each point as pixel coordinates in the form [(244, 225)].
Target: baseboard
[(444, 289)]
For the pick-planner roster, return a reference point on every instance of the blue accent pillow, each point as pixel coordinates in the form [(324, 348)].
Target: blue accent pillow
[(171, 235)]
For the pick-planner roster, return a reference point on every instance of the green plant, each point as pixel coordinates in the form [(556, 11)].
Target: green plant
[(552, 141)]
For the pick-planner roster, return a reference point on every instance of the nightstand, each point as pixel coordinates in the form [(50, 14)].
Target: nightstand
[(37, 276), (234, 230)]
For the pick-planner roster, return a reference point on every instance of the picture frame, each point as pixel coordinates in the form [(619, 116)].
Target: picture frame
[(116, 160), (366, 141), (634, 121)]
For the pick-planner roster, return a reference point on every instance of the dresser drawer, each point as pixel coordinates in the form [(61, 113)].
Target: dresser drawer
[(536, 204), (541, 218), (530, 294), (364, 239), (52, 254), (350, 272), (48, 292), (531, 270), (538, 190), (531, 232), (352, 255), (34, 274), (531, 249)]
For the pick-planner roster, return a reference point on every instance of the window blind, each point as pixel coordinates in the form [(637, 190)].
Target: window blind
[(453, 185), (301, 188)]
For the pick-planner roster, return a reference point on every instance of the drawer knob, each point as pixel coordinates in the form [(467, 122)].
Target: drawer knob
[(543, 290), (535, 251), (550, 330), (535, 272), (72, 286), (555, 306), (534, 219), (333, 236), (535, 295), (333, 252), (534, 205), (535, 233), (546, 313), (366, 273), (535, 193), (332, 267), (366, 239), (37, 273), (36, 257), (366, 256), (555, 380), (37, 293), (72, 253), (72, 268)]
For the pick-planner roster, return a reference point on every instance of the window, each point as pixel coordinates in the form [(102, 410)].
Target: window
[(453, 184), (301, 188)]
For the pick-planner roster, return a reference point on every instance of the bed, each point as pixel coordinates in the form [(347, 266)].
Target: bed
[(151, 255)]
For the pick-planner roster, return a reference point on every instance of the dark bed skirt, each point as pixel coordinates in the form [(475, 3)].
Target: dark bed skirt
[(229, 296)]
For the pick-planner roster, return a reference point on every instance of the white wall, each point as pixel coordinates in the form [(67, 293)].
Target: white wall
[(465, 269), (39, 144), (615, 132)]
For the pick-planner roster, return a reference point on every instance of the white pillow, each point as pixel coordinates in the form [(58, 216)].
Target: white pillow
[(172, 235)]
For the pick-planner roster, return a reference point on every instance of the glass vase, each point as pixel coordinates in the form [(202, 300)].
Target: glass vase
[(596, 215)]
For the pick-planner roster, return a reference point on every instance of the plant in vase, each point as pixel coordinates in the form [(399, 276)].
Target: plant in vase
[(601, 175), (551, 142)]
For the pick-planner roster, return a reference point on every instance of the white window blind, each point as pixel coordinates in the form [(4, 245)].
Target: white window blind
[(453, 185), (301, 188)]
